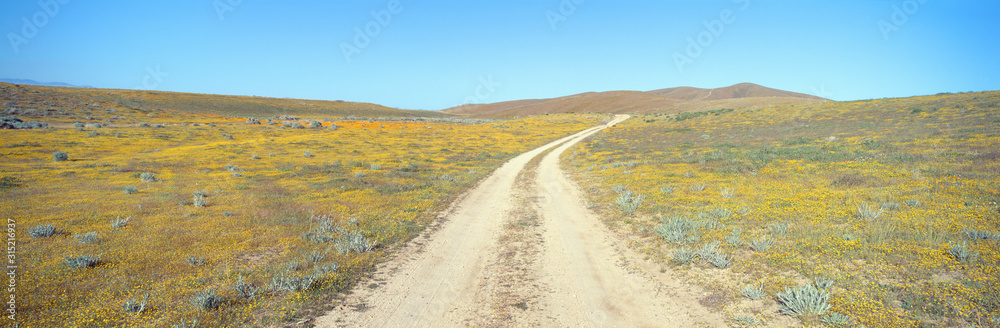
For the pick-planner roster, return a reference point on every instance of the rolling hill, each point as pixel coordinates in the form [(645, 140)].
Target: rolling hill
[(671, 100), (63, 104)]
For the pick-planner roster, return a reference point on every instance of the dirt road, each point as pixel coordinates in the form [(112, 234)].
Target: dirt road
[(521, 250)]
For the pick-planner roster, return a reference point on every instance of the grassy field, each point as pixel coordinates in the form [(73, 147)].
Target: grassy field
[(881, 212), (230, 224)]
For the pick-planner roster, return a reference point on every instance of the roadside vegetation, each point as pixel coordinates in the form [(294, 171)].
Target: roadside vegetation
[(233, 222), (882, 213)]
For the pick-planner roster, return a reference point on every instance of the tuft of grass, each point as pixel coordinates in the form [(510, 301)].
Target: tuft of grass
[(199, 199), (698, 187), (135, 306), (868, 212), (119, 223), (778, 228), (285, 282), (678, 230), (747, 321), (761, 244), (128, 190), (804, 300), (754, 292), (307, 154), (60, 156), (727, 193)]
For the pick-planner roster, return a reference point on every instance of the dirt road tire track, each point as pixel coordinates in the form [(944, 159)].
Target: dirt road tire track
[(433, 282)]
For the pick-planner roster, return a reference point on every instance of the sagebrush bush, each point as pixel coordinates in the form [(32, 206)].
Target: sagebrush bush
[(59, 156), (761, 244), (805, 300), (147, 177), (962, 253), (41, 231), (683, 255), (135, 306), (246, 291), (84, 261), (754, 292), (284, 282), (195, 261), (87, 238), (119, 223), (207, 300), (128, 190)]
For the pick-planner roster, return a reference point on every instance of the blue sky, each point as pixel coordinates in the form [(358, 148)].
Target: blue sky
[(433, 55)]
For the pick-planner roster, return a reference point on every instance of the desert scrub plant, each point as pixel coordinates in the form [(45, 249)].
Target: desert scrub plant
[(284, 282), (683, 255), (87, 238), (128, 190), (698, 187), (199, 199), (746, 321), (135, 306), (962, 253), (41, 231), (315, 256), (629, 201), (761, 244), (119, 223), (977, 235), (804, 300), (912, 202), (195, 261), (744, 210), (147, 177), (754, 292), (83, 261), (345, 241), (778, 228), (714, 256), (207, 300), (837, 320), (823, 283), (60, 156), (246, 291), (668, 189), (719, 213), (78, 125), (868, 212), (727, 193), (678, 230), (307, 154), (735, 238)]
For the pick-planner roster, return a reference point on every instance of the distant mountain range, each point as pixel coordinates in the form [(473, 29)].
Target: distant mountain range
[(50, 84), (671, 100)]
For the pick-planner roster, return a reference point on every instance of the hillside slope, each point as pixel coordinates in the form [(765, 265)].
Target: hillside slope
[(672, 100), (61, 104)]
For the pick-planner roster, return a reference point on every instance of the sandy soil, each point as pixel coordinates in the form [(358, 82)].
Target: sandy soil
[(522, 250)]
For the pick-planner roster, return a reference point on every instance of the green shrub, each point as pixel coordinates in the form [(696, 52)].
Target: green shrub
[(147, 177), (753, 292), (59, 156), (135, 306), (195, 261), (119, 223), (87, 238), (246, 291), (207, 300), (805, 300), (128, 190), (80, 262), (41, 231)]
